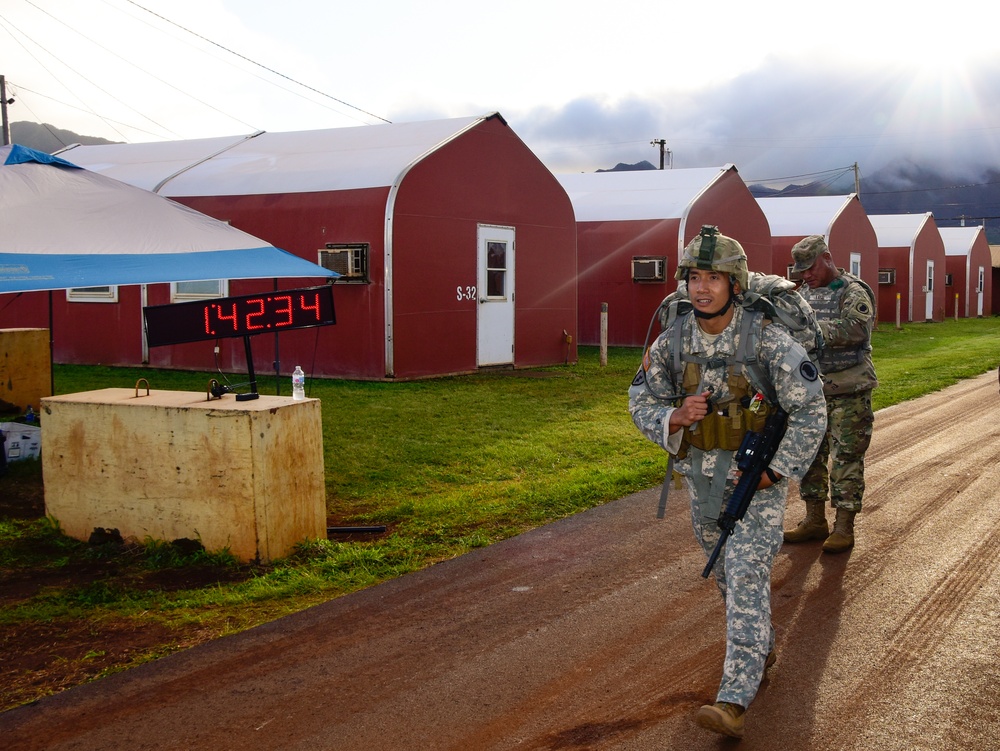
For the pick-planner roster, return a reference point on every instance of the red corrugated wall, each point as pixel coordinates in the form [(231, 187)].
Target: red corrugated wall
[(606, 250)]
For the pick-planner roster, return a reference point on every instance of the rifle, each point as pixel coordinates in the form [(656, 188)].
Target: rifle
[(753, 457)]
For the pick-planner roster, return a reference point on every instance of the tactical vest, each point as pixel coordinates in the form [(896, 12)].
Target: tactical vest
[(746, 408), (826, 302)]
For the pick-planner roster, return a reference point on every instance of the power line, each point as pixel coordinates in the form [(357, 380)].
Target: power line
[(45, 68), (20, 88), (260, 65), (833, 173), (941, 187), (47, 127), (269, 80), (166, 83)]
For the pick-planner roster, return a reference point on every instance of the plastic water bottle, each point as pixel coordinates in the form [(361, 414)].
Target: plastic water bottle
[(298, 384)]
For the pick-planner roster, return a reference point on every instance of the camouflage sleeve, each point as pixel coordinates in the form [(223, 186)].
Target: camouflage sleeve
[(857, 317), (800, 392), (650, 411)]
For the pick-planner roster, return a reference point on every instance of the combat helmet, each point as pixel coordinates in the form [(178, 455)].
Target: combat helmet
[(713, 251)]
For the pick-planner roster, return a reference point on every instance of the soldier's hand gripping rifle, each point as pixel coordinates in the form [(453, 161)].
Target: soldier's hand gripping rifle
[(752, 459)]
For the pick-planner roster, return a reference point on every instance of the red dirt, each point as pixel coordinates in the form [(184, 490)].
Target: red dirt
[(597, 632)]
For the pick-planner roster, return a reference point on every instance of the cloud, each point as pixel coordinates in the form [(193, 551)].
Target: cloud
[(785, 119)]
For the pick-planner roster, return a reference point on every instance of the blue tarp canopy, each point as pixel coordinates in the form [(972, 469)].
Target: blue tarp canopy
[(64, 226)]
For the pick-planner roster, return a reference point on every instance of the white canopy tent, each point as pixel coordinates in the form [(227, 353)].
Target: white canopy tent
[(65, 226)]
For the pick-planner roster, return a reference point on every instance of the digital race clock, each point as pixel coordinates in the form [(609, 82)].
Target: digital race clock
[(223, 317)]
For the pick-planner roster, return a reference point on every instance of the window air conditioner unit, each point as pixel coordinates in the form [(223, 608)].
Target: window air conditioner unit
[(649, 269), (350, 261), (887, 276)]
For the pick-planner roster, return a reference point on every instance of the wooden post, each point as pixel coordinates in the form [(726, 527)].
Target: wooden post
[(956, 306), (897, 310), (604, 334)]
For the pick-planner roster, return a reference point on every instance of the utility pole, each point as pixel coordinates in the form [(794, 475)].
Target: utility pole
[(664, 151), (4, 101), (857, 180)]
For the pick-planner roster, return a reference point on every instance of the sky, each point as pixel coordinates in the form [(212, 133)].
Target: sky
[(781, 89)]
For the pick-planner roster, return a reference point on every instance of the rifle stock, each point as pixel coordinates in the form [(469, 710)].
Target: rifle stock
[(752, 459)]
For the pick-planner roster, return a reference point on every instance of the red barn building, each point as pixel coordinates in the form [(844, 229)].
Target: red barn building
[(841, 220), (631, 229), (911, 266), (969, 265), (456, 244)]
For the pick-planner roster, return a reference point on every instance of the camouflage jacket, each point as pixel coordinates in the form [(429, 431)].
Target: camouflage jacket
[(846, 316), (785, 364)]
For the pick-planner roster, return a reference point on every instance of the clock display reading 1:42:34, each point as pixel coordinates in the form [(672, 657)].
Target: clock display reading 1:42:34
[(239, 316)]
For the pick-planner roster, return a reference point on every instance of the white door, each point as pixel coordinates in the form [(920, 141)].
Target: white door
[(929, 300), (495, 331), (979, 292)]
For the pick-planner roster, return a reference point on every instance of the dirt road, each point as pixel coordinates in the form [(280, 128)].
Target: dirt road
[(598, 632)]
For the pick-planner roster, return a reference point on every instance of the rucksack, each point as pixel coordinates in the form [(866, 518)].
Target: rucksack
[(774, 296), (770, 299)]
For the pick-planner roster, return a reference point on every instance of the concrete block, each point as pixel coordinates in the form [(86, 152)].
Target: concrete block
[(247, 476)]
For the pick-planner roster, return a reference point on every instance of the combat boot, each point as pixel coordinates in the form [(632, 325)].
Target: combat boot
[(722, 717), (813, 527), (843, 533)]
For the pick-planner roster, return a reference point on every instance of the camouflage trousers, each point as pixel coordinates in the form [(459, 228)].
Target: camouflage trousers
[(743, 576), (837, 473)]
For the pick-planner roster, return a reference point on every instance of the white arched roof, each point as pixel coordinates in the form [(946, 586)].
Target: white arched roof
[(640, 194), (791, 216), (897, 230), (268, 163), (958, 241)]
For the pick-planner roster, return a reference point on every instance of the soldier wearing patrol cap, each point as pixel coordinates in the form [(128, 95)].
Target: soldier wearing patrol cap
[(702, 427), (845, 310)]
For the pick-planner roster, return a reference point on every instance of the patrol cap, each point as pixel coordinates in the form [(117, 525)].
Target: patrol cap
[(807, 250)]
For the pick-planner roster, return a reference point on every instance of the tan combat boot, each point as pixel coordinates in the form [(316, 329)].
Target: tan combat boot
[(813, 527), (843, 533), (722, 717)]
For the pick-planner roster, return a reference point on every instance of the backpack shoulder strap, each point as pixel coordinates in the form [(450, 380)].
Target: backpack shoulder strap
[(748, 353)]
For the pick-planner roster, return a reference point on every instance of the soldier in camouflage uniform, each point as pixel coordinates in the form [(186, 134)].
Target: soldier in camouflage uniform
[(689, 426), (845, 310)]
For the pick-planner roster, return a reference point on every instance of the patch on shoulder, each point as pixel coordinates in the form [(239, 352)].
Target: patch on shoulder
[(808, 371)]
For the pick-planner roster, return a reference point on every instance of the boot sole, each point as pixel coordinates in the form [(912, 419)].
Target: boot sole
[(711, 718), (838, 549), (807, 538), (838, 543)]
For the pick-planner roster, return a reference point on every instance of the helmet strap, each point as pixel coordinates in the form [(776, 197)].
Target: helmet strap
[(721, 311)]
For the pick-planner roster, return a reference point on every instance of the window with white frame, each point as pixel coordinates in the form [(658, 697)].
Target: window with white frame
[(92, 294), (202, 290), (856, 264)]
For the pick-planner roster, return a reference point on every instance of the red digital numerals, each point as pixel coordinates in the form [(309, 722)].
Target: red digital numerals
[(260, 313)]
